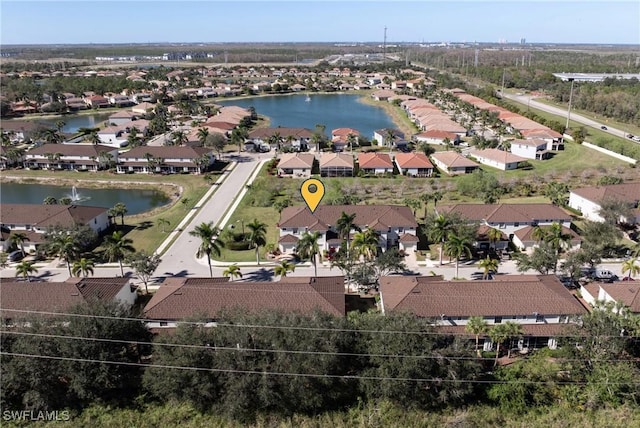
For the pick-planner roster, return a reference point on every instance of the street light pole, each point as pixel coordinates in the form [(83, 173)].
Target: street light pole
[(569, 111)]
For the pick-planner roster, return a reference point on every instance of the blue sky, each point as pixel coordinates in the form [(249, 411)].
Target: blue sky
[(120, 21)]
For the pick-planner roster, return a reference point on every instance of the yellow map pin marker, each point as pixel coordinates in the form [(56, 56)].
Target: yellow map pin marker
[(312, 191)]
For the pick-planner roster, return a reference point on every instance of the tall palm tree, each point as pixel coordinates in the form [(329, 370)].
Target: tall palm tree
[(366, 243), (83, 267), (257, 236), (476, 326), (308, 248), (209, 242), (232, 272), (25, 269), (238, 137), (19, 238), (631, 267), (64, 246), (425, 198), (494, 236), (457, 247), (284, 268), (94, 138), (203, 133), (179, 138), (344, 225), (439, 232), (117, 247), (120, 210), (489, 265)]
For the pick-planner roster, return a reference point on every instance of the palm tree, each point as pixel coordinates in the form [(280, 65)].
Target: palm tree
[(489, 265), (257, 236), (283, 268), (344, 225), (439, 231), (117, 247), (94, 138), (500, 333), (476, 326), (389, 137), (457, 247), (425, 198), (232, 272), (163, 222), (209, 242), (65, 246), (179, 138), (238, 136), (203, 133), (494, 236), (308, 248), (19, 238), (133, 138), (631, 267), (119, 209), (436, 196), (25, 269), (83, 266), (365, 243)]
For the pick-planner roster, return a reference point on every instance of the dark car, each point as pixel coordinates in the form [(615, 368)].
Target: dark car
[(630, 136), (604, 128), (16, 256)]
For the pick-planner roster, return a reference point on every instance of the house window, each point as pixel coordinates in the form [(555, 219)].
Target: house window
[(516, 224), (501, 225), (163, 323), (497, 320), (539, 318), (295, 230), (400, 230)]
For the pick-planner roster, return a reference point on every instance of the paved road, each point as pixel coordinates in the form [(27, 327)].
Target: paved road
[(180, 258), (525, 99)]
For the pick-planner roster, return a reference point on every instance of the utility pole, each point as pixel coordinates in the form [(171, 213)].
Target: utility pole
[(384, 46), (502, 90), (475, 61), (566, 128)]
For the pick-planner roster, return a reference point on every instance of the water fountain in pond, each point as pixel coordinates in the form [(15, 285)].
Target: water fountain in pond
[(76, 197)]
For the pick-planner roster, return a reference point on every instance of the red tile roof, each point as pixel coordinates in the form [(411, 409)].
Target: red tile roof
[(413, 160), (374, 160), (629, 192), (380, 217), (508, 213)]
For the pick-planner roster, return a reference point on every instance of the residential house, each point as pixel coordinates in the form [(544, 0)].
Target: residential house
[(296, 165), (143, 108), (120, 100), (343, 137), (20, 130), (208, 298), (413, 164), (53, 297), (295, 138), (554, 139), (588, 200), (10, 156), (510, 218), (453, 163), (166, 160), (375, 163), (495, 158), (336, 165), (436, 136), (72, 157), (540, 304), (96, 101), (525, 239), (391, 222), (530, 149), (35, 220), (382, 135), (626, 293), (122, 117)]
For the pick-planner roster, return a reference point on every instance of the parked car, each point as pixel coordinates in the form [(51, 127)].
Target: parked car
[(604, 128), (604, 275), (16, 256), (630, 136)]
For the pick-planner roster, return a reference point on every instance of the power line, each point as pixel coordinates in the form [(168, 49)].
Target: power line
[(273, 351), (307, 375), (276, 327)]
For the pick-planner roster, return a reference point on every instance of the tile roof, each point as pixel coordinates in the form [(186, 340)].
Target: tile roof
[(288, 239), (496, 155), (166, 152), (430, 297), (629, 192), (525, 235), (48, 215), (71, 149), (626, 292), (436, 133), (376, 216), (454, 160), (296, 160), (284, 132), (532, 142), (179, 298), (56, 296), (540, 133), (344, 132), (508, 213), (374, 160), (413, 160), (328, 160)]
